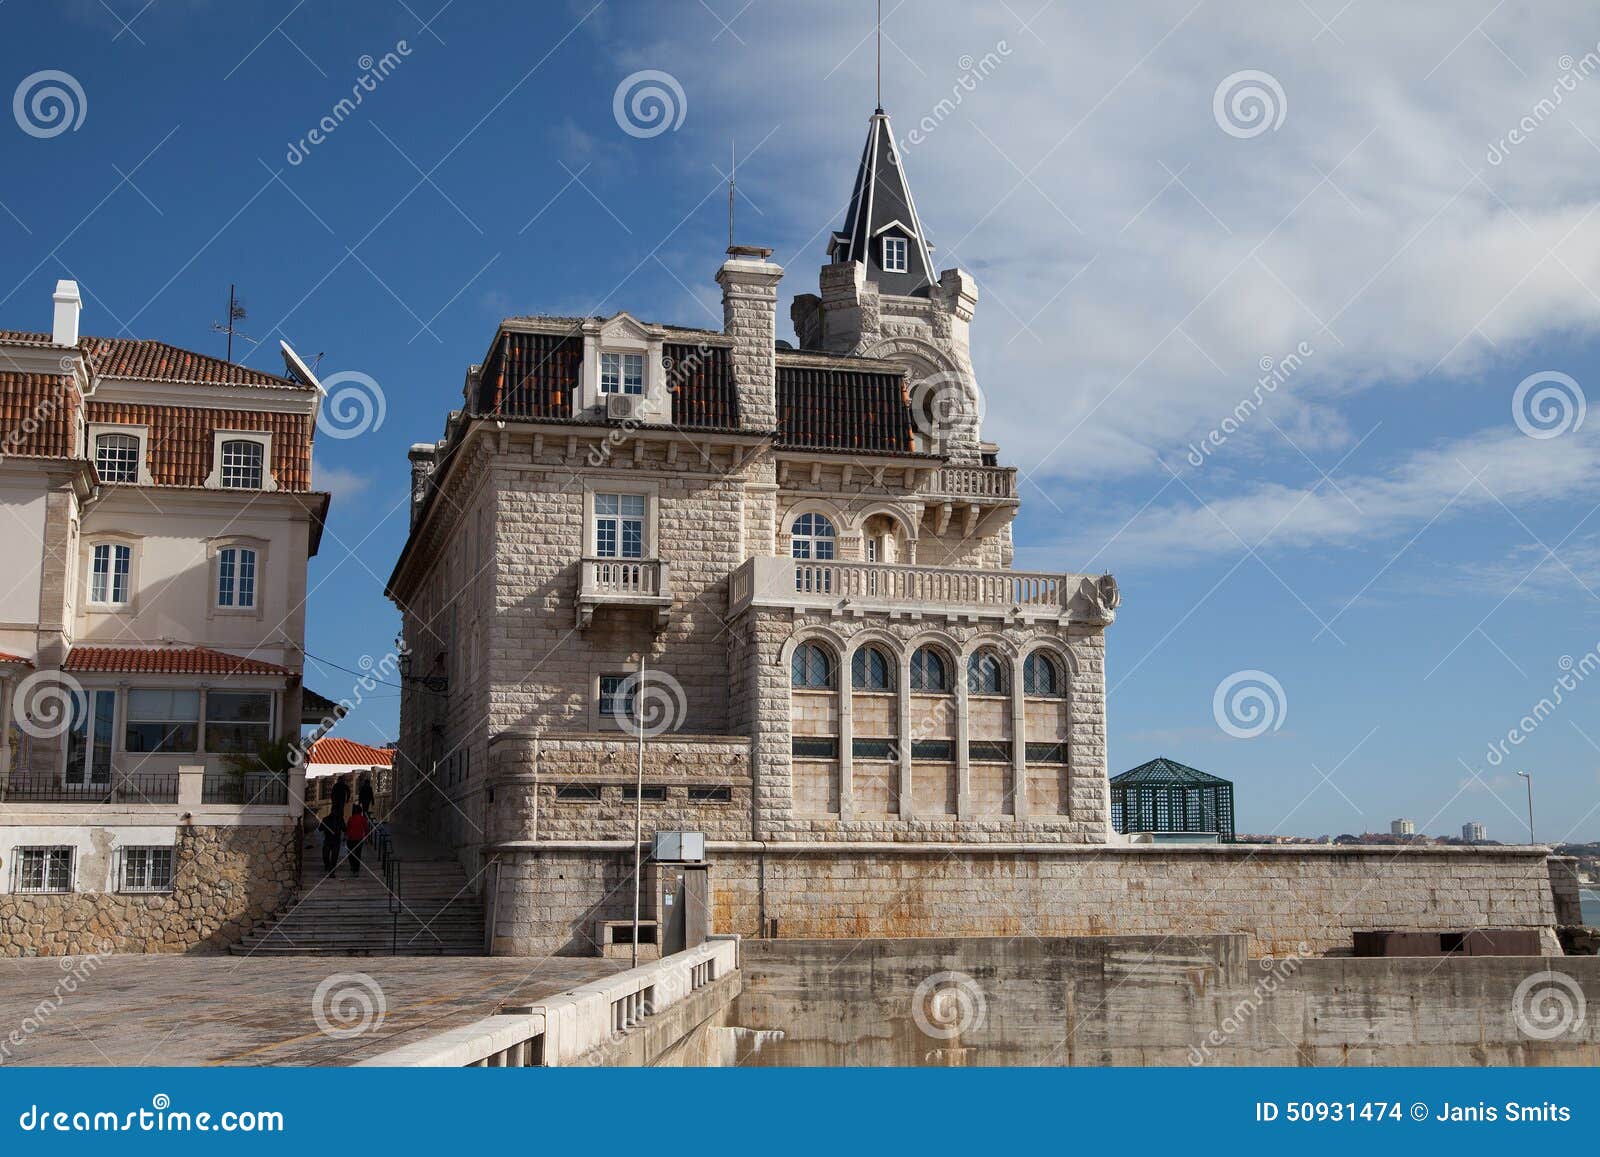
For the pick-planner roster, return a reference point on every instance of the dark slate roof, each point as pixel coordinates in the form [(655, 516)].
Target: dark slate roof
[(1162, 770), (881, 202)]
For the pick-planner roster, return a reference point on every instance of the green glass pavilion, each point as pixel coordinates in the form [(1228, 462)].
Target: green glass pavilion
[(1166, 796)]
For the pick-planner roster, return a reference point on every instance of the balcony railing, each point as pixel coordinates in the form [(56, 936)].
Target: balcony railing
[(264, 789), (788, 582), (136, 787), (980, 483), (624, 582)]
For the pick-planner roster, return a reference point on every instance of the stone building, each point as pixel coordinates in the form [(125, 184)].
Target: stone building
[(881, 726), (159, 516)]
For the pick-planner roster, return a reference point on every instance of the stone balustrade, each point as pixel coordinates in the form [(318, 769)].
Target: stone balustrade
[(625, 582), (980, 483)]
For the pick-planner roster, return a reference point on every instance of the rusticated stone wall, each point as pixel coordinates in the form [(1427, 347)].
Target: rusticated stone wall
[(225, 881), (1286, 900)]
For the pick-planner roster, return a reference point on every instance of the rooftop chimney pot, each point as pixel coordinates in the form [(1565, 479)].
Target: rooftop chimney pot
[(69, 307)]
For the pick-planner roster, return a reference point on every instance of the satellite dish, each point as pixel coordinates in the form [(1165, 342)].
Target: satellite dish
[(298, 367)]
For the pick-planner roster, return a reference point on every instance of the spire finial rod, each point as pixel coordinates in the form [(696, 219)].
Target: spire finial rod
[(733, 166), (880, 55)]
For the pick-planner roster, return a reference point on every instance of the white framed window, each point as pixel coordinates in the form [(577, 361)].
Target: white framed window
[(41, 869), (236, 577), (162, 719), (621, 373), (619, 521), (110, 574), (116, 457), (238, 721), (243, 464), (146, 869), (812, 537), (895, 259)]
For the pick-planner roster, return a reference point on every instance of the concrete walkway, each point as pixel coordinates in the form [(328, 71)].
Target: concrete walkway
[(221, 1010)]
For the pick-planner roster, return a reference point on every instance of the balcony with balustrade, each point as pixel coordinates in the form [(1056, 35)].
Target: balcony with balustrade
[(628, 583), (859, 588)]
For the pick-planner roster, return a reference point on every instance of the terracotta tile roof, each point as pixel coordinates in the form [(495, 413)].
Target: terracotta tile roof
[(156, 361), (181, 439), (7, 657), (700, 379), (530, 375), (330, 749), (166, 661), (37, 414), (849, 408)]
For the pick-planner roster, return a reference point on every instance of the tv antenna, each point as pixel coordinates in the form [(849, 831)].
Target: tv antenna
[(880, 55), (236, 313), (733, 165)]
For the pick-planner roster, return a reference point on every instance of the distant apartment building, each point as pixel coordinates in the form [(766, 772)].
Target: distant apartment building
[(160, 517), (1402, 827), (1473, 832)]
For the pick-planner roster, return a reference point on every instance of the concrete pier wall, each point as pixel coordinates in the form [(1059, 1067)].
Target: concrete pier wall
[(1154, 1001)]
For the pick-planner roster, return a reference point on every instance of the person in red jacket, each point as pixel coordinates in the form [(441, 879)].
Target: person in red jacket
[(355, 831)]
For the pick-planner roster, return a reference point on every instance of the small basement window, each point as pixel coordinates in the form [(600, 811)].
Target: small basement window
[(578, 792), (651, 793), (710, 793), (814, 747)]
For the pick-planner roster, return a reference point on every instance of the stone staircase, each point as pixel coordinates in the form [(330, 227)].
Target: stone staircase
[(347, 915)]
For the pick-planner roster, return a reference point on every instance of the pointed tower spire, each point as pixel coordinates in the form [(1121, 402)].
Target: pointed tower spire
[(882, 230)]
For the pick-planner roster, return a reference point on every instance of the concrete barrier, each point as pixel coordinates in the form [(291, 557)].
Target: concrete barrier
[(561, 1029)]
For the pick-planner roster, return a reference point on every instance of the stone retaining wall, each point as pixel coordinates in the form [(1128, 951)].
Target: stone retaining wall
[(225, 881), (548, 896)]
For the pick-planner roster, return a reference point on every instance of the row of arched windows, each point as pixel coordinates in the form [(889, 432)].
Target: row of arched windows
[(813, 669)]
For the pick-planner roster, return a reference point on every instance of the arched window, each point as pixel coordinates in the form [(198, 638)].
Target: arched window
[(812, 537), (929, 672), (241, 465), (1040, 676), (812, 668), (986, 674), (871, 670)]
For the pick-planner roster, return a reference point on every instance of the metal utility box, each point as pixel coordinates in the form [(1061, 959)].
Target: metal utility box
[(679, 847)]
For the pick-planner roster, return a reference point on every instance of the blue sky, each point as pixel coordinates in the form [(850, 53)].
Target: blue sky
[(1380, 536)]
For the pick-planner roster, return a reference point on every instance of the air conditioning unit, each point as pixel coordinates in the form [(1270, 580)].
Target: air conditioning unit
[(624, 407)]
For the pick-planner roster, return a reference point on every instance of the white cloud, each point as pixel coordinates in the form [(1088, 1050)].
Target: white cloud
[(338, 481)]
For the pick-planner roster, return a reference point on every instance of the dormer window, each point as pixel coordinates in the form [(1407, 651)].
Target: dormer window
[(622, 373), (895, 257), (242, 465), (116, 457)]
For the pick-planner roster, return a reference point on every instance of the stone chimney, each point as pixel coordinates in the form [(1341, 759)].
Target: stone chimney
[(750, 316), (424, 460), (69, 307)]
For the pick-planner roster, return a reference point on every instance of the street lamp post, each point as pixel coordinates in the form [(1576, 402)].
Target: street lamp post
[(1528, 775)]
